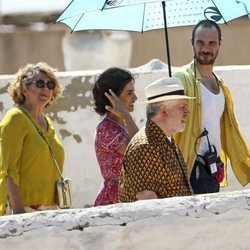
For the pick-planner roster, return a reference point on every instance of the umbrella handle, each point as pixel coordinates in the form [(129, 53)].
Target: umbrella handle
[(166, 37)]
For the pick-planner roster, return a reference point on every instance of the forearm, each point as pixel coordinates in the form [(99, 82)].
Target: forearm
[(146, 195), (131, 129), (131, 125), (14, 196)]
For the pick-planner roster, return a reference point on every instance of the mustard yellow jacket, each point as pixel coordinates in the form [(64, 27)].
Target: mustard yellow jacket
[(233, 144)]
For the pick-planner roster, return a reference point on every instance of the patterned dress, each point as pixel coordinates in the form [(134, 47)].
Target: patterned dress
[(108, 138)]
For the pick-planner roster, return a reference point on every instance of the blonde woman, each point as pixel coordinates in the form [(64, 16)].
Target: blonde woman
[(27, 171)]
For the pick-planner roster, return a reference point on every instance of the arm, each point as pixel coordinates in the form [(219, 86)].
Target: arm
[(146, 195), (139, 177), (119, 110), (14, 196), (123, 148), (130, 124), (132, 130), (11, 134)]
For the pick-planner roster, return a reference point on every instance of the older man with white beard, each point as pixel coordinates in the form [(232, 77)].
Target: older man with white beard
[(153, 166)]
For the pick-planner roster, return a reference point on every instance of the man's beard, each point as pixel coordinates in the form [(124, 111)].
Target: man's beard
[(205, 61)]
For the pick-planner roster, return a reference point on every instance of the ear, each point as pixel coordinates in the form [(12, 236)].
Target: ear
[(23, 90), (221, 40), (163, 111), (192, 42)]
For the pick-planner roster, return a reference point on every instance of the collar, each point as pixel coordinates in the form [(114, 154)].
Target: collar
[(156, 135), (197, 75)]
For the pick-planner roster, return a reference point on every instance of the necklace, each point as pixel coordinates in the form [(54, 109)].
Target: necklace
[(211, 84)]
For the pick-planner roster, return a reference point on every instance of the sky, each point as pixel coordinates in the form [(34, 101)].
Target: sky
[(27, 6)]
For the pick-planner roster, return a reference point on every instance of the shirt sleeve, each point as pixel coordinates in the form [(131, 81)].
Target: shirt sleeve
[(11, 141), (112, 136), (138, 174), (12, 134)]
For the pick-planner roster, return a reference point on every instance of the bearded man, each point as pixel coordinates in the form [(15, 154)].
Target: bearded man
[(211, 129)]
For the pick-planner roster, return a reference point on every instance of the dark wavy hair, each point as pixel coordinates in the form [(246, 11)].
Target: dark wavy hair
[(206, 24), (113, 78)]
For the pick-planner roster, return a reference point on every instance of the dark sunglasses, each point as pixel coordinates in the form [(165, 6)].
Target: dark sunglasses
[(40, 83)]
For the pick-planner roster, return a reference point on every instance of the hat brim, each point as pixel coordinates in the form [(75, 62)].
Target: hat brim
[(168, 98)]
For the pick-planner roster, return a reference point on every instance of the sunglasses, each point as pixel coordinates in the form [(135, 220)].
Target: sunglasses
[(40, 83)]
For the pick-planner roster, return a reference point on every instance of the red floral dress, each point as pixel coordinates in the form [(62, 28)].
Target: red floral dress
[(108, 138)]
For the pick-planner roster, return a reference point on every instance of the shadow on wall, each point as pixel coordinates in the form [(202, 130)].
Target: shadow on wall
[(75, 96), (96, 50)]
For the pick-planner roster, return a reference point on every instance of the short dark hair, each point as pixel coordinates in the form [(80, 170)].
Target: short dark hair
[(113, 78), (206, 24)]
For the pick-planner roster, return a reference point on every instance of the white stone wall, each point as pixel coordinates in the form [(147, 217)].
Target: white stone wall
[(215, 221), (96, 50), (75, 120)]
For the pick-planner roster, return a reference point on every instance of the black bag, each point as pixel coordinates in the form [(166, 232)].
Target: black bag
[(201, 179)]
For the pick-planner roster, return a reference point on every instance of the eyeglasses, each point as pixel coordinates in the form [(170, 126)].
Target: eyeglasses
[(40, 83)]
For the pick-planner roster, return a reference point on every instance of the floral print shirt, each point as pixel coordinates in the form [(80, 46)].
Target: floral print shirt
[(108, 138)]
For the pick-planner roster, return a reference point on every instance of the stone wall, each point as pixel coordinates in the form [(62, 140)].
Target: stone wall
[(215, 221), (75, 120)]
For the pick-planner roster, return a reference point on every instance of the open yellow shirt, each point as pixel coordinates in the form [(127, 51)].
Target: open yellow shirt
[(25, 157), (233, 144)]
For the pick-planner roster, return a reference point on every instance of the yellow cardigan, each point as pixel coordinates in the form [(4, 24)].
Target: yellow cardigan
[(25, 157), (233, 144)]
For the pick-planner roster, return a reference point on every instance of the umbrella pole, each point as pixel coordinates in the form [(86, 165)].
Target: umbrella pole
[(166, 37)]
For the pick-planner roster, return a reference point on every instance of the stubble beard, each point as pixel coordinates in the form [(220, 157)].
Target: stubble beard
[(205, 61)]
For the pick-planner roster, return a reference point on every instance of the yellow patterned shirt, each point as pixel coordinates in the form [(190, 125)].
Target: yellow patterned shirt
[(152, 162)]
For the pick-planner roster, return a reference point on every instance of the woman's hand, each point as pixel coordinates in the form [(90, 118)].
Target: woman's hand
[(117, 108)]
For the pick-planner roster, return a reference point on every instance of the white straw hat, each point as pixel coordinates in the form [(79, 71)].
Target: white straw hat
[(165, 89)]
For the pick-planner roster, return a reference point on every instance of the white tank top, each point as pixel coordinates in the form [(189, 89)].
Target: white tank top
[(212, 107)]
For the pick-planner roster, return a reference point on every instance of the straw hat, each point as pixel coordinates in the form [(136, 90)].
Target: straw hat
[(164, 89)]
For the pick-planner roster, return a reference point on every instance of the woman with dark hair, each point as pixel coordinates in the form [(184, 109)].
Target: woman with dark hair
[(114, 97)]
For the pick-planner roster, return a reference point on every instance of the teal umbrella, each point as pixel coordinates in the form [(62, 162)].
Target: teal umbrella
[(246, 4), (146, 15), (79, 8)]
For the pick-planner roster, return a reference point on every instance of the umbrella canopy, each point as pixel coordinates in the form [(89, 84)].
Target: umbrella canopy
[(246, 4), (145, 15), (79, 7)]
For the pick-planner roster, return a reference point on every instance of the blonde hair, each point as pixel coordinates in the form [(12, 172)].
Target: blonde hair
[(26, 74)]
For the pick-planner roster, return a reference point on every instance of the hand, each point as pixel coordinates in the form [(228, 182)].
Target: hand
[(117, 108), (146, 195), (18, 210), (14, 196)]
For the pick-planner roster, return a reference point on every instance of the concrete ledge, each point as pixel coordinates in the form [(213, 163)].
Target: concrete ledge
[(215, 221)]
